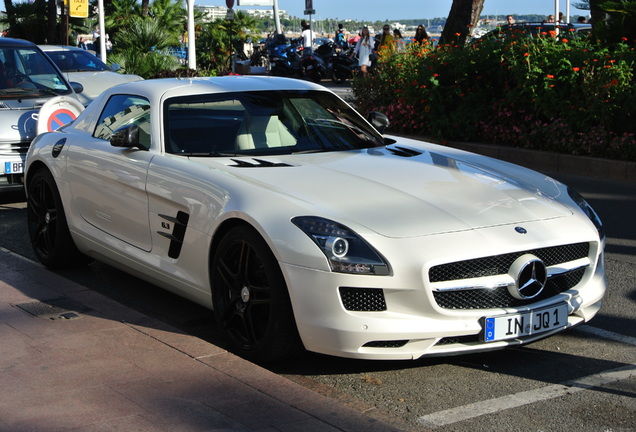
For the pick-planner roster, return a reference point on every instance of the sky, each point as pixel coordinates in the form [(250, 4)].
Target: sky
[(373, 10)]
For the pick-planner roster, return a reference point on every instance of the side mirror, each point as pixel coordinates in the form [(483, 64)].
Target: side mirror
[(379, 121), (77, 87), (115, 67), (127, 137)]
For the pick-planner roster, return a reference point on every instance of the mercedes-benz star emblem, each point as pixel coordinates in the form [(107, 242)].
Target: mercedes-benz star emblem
[(530, 275)]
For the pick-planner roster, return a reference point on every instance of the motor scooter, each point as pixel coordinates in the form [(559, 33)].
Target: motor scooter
[(313, 66), (339, 63), (284, 59)]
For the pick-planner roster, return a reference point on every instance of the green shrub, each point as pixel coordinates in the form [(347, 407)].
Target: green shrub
[(563, 94)]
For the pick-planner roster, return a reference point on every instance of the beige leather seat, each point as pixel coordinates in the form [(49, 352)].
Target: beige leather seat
[(258, 132)]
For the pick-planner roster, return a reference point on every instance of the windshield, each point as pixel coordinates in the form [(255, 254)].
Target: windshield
[(77, 61), (264, 123), (27, 73)]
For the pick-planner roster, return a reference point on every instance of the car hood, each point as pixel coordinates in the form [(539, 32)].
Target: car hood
[(95, 82), (407, 191)]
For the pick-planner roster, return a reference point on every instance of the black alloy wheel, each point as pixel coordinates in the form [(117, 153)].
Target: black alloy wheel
[(48, 229), (250, 297)]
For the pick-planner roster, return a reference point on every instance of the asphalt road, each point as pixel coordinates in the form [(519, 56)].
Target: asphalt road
[(580, 380)]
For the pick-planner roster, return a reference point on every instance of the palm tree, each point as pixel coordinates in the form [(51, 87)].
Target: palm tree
[(463, 17), (613, 20), (171, 16), (141, 48), (213, 42), (119, 14), (27, 20)]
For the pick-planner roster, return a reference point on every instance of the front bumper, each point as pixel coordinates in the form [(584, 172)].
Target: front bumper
[(406, 321)]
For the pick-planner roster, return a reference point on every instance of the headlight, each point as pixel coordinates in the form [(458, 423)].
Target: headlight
[(588, 210), (345, 250)]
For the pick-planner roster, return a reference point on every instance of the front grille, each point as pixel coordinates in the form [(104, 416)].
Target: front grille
[(500, 264), (363, 299), (386, 344), (485, 298), (13, 149), (458, 340), (500, 297)]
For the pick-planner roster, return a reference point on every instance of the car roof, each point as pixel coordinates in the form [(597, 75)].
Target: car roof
[(20, 43), (59, 48), (169, 87)]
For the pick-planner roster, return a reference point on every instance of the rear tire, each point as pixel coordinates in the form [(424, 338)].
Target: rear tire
[(250, 298), (339, 77), (48, 229)]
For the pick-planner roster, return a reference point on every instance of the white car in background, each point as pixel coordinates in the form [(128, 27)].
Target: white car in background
[(275, 204), (81, 66), (28, 82)]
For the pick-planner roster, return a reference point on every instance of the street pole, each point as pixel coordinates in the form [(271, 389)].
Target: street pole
[(277, 18), (102, 31), (192, 62)]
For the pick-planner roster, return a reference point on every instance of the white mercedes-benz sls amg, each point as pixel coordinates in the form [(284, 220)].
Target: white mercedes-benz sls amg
[(275, 204)]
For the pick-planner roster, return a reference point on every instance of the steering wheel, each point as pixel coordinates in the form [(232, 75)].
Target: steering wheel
[(18, 79)]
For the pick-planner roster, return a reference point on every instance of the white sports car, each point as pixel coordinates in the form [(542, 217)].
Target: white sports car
[(276, 205)]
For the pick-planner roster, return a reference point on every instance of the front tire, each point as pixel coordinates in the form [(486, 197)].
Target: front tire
[(251, 302), (48, 229)]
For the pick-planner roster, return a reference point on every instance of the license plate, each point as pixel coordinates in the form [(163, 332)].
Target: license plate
[(14, 167), (525, 324)]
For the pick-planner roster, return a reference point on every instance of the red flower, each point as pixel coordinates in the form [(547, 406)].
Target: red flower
[(550, 76), (565, 40), (576, 69)]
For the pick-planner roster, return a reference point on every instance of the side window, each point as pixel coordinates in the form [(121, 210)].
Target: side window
[(124, 110)]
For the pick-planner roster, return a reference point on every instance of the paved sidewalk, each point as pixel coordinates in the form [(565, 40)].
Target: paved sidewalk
[(74, 360)]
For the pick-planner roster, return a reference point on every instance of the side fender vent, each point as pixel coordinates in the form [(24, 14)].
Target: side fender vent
[(179, 225)]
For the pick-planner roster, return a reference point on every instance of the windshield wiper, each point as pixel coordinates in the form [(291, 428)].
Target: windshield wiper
[(207, 154), (49, 91)]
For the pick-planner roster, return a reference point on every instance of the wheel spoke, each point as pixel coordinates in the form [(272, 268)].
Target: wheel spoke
[(44, 217), (245, 308)]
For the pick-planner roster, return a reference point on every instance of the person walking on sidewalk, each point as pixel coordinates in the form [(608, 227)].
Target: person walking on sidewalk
[(364, 50)]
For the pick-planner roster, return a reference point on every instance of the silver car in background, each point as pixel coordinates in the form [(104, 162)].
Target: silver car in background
[(28, 79), (87, 69)]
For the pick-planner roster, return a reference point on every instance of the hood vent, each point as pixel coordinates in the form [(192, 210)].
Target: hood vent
[(403, 151), (4, 105), (259, 164)]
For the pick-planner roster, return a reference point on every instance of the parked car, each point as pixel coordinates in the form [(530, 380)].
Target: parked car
[(534, 29), (275, 204), (81, 66), (28, 80)]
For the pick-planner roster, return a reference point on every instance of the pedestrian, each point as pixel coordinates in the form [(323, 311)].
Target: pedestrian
[(581, 20), (400, 44), (510, 19), (386, 43), (307, 37), (341, 38), (364, 50), (421, 36), (82, 43)]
